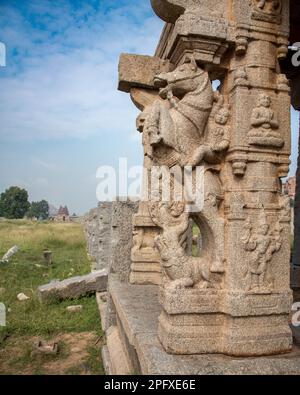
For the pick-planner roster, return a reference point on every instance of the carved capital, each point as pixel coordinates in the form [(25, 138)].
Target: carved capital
[(170, 10)]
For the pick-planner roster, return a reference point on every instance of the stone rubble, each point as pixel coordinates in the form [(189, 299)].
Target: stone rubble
[(22, 297), (10, 253), (74, 309), (73, 287)]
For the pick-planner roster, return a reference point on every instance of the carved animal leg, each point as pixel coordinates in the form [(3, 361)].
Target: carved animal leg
[(152, 124), (200, 154), (181, 283), (205, 278), (254, 286), (167, 127)]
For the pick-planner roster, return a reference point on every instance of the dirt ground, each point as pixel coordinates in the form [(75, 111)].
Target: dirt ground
[(78, 353)]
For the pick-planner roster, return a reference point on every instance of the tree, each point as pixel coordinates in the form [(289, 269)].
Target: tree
[(14, 203), (39, 210)]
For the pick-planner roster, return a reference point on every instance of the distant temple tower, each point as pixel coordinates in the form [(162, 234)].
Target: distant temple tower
[(62, 215), (289, 188)]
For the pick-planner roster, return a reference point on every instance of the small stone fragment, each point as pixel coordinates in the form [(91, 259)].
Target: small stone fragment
[(74, 309), (12, 251), (41, 347), (22, 297)]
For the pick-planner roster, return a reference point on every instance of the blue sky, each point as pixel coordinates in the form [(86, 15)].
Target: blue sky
[(61, 114)]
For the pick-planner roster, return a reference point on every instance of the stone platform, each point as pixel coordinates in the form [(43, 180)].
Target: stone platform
[(133, 347)]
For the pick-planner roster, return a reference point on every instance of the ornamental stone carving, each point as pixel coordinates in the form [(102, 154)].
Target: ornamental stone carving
[(233, 296), (265, 125)]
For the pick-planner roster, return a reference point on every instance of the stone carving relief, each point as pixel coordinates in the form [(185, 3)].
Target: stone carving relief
[(190, 124), (267, 10), (182, 270), (241, 77), (261, 242), (285, 207), (265, 125), (176, 125), (217, 137), (142, 242), (241, 43), (243, 219)]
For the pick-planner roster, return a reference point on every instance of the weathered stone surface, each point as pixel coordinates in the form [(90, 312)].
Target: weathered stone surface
[(102, 306), (138, 309), (73, 287), (108, 230), (22, 297), (74, 309), (234, 297), (170, 10), (296, 252), (119, 363), (45, 348), (10, 253), (106, 359), (139, 71), (121, 238)]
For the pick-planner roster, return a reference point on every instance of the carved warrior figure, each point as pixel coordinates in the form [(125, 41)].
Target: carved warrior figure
[(262, 243), (183, 271), (218, 135), (265, 125), (176, 125)]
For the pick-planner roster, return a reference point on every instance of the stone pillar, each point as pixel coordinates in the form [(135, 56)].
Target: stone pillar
[(234, 298), (296, 260), (136, 74), (295, 277)]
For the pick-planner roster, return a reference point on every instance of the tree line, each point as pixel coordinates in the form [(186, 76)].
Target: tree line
[(14, 204)]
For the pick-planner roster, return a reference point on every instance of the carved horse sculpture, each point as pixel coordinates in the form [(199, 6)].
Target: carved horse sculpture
[(180, 120)]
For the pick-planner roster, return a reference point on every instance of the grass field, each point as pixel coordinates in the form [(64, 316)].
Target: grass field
[(30, 320)]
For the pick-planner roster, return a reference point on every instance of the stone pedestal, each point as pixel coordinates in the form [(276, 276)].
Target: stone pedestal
[(134, 348)]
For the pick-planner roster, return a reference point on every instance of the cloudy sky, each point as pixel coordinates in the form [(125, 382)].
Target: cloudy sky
[(61, 116)]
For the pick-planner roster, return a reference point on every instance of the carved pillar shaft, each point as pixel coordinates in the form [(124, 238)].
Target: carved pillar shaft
[(234, 298), (296, 255)]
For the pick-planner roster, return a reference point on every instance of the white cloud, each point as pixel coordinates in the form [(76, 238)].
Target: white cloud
[(65, 81), (43, 164)]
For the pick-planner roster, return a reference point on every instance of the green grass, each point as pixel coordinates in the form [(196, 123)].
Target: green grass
[(26, 271)]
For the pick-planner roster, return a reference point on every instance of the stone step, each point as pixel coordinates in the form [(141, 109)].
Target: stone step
[(137, 310), (106, 359), (118, 361), (102, 305)]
